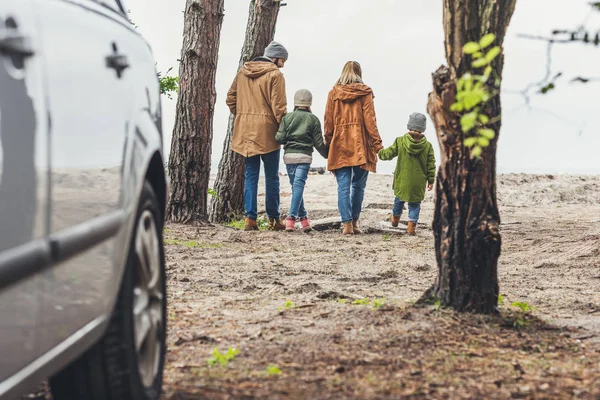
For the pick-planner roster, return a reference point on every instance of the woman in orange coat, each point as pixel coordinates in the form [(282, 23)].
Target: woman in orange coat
[(353, 139)]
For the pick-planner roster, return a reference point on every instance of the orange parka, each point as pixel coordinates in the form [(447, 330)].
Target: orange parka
[(350, 128), (257, 98)]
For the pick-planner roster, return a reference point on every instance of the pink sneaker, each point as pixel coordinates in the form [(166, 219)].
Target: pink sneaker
[(306, 227), (290, 224)]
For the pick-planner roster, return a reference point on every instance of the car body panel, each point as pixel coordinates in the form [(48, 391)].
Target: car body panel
[(104, 133), (23, 185)]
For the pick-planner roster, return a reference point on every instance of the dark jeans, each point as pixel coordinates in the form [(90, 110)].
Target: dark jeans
[(298, 173), (351, 191), (271, 165)]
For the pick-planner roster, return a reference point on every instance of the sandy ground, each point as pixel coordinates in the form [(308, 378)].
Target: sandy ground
[(276, 298)]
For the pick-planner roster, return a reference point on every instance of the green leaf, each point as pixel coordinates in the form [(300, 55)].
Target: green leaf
[(477, 54), (470, 142), (273, 369), (471, 48), (480, 62), (486, 133), (488, 71), (476, 152), (483, 141), (492, 54), (487, 40), (468, 121), (469, 83), (484, 119), (473, 99), (457, 107)]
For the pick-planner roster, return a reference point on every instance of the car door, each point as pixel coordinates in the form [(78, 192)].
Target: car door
[(24, 249), (90, 90)]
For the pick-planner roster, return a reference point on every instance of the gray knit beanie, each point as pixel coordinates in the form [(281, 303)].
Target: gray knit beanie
[(303, 98), (276, 50), (417, 122)]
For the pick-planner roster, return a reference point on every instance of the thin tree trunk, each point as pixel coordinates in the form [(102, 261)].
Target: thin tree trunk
[(189, 162), (466, 222), (229, 185)]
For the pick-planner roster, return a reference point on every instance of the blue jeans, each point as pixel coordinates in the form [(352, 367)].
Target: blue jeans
[(414, 209), (351, 191), (298, 173), (271, 164)]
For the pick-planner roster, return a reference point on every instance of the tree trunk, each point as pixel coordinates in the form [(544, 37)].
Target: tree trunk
[(466, 222), (229, 186), (189, 162)]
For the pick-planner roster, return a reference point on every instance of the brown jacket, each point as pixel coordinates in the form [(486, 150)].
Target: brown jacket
[(257, 99), (351, 128)]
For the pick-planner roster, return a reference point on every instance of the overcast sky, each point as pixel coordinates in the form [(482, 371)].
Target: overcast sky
[(399, 44)]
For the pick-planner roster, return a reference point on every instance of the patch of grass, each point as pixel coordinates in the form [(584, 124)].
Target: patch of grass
[(193, 243), (361, 302), (386, 237), (437, 305), (342, 301), (289, 305), (378, 303), (222, 358), (273, 370)]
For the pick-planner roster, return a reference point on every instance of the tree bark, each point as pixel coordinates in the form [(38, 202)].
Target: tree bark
[(189, 162), (229, 185), (466, 221)]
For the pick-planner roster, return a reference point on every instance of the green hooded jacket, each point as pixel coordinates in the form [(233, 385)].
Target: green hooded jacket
[(415, 166), (300, 132)]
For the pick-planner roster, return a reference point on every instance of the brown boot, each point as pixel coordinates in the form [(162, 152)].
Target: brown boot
[(412, 228), (395, 221), (355, 227), (348, 229), (250, 225), (275, 224)]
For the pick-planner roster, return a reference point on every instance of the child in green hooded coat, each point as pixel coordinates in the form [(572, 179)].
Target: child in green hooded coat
[(415, 169)]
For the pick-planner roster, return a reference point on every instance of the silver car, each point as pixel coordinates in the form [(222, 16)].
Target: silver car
[(82, 200)]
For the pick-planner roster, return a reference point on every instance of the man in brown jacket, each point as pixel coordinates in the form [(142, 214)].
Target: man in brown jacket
[(257, 98)]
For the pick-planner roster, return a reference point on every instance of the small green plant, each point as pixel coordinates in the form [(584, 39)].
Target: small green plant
[(361, 302), (213, 193), (342, 301), (168, 84), (386, 237), (524, 309), (500, 300), (437, 304), (378, 303), (273, 370), (523, 306), (473, 91), (222, 358), (289, 305)]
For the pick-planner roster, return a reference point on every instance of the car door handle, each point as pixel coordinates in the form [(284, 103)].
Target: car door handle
[(13, 43), (118, 62)]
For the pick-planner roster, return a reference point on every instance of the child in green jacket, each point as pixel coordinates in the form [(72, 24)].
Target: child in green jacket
[(300, 132), (415, 169)]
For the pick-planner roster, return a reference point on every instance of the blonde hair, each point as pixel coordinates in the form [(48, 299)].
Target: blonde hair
[(352, 73)]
